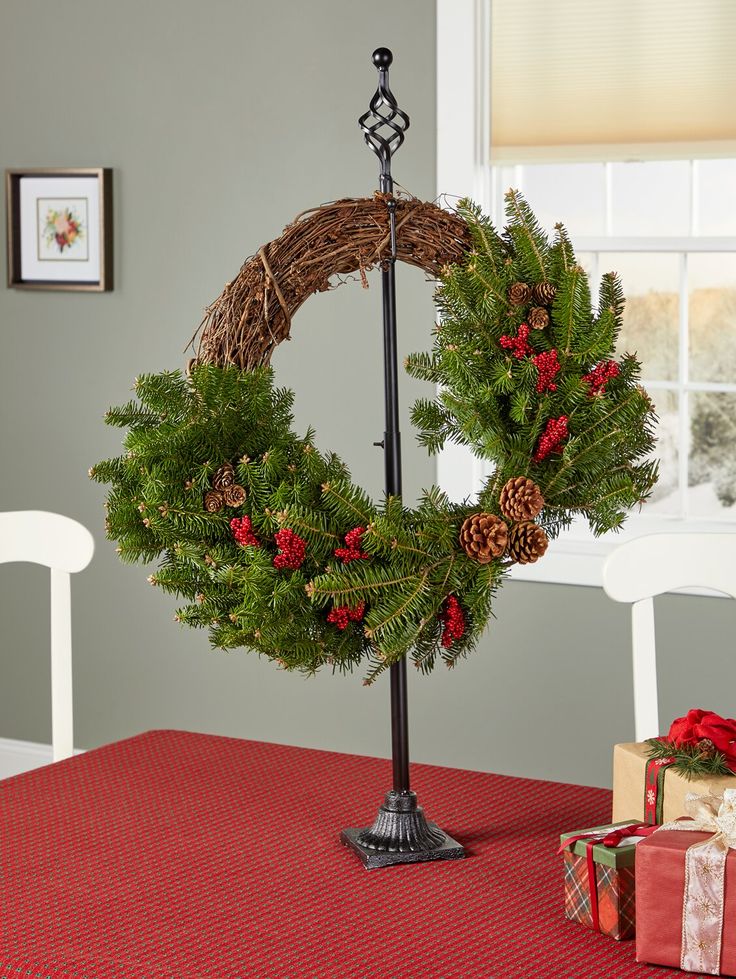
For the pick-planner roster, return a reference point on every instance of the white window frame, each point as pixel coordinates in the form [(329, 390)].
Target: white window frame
[(464, 168)]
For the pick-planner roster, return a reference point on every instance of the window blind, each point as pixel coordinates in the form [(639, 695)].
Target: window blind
[(575, 80)]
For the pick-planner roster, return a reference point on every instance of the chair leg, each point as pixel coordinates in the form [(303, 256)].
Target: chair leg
[(646, 707), (62, 723)]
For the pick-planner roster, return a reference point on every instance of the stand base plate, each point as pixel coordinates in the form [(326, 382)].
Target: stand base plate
[(448, 850)]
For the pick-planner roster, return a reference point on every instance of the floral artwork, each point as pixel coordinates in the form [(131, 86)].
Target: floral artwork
[(59, 228), (63, 228)]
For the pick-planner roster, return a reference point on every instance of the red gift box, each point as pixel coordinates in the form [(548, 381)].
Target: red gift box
[(660, 882)]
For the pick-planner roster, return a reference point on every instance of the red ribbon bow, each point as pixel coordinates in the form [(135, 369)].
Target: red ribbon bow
[(705, 725), (610, 838)]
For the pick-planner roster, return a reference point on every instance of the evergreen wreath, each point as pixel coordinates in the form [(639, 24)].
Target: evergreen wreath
[(267, 539)]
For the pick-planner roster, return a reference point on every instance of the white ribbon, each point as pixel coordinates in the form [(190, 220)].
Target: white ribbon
[(705, 874)]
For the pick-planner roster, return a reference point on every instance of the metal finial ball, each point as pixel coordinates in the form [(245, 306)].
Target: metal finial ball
[(382, 58)]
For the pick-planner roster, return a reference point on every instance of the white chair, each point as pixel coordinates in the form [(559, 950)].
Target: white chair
[(64, 546), (639, 570)]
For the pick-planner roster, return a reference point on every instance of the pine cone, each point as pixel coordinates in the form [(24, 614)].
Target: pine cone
[(213, 501), (519, 293), (224, 476), (484, 536), (527, 542), (538, 318), (706, 748), (543, 293), (521, 499), (234, 495)]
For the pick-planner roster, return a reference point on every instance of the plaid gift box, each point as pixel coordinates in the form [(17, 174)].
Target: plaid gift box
[(609, 904)]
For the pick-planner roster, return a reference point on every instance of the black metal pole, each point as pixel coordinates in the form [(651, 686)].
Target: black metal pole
[(392, 450), (384, 132), (400, 833)]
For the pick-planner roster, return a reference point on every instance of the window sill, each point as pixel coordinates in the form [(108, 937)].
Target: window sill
[(567, 563), (580, 562), (576, 557)]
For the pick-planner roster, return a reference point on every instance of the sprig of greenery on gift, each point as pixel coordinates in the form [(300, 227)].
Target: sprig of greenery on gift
[(692, 761)]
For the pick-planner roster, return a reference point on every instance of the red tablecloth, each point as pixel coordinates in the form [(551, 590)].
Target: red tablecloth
[(174, 855)]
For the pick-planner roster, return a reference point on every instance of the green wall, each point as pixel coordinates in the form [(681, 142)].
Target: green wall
[(222, 121)]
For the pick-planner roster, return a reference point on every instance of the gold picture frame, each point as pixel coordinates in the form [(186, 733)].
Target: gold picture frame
[(36, 258)]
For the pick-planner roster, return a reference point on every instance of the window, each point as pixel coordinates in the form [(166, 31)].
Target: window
[(668, 227)]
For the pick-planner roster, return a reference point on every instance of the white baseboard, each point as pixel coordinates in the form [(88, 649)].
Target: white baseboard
[(23, 756)]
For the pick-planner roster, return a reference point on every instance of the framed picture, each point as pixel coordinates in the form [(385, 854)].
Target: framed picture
[(59, 228)]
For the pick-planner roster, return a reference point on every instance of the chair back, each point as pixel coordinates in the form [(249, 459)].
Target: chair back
[(638, 571), (64, 546)]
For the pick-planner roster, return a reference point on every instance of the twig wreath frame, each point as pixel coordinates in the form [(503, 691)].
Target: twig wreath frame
[(269, 541), (253, 313)]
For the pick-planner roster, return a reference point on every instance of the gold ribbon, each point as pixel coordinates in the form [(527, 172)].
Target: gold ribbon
[(705, 874)]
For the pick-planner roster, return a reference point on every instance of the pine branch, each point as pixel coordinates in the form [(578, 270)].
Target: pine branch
[(690, 760), (524, 228)]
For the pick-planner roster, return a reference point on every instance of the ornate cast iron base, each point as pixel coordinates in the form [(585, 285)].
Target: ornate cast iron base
[(401, 834)]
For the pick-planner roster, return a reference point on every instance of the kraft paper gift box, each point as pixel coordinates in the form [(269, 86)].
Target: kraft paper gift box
[(635, 777), (660, 890), (610, 909)]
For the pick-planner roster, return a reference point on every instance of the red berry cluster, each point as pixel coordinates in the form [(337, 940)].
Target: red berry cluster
[(242, 529), (453, 621), (551, 441), (353, 550), (342, 615), (518, 345), (292, 550), (601, 374), (548, 367)]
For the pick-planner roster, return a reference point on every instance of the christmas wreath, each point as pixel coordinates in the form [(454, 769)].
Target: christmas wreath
[(267, 539)]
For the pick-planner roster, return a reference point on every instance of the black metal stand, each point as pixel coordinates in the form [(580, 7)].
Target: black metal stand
[(400, 833)]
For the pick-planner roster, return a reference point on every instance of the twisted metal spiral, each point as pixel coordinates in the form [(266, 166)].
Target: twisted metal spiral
[(384, 124)]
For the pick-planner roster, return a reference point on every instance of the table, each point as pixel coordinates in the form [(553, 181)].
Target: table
[(174, 855)]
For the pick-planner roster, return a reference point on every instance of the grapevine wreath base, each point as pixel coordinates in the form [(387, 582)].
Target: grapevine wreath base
[(267, 539)]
